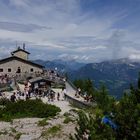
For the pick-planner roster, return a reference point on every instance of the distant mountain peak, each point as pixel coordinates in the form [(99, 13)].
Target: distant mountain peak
[(61, 65), (121, 61)]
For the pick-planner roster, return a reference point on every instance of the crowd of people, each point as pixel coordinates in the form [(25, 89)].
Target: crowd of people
[(49, 74), (84, 95), (36, 92), (54, 76), (28, 93), (5, 79)]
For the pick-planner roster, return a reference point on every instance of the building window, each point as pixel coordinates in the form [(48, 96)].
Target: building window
[(1, 70), (31, 70), (9, 69), (18, 70)]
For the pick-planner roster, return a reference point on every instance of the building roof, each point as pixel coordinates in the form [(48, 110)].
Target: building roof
[(20, 59), (40, 79), (19, 49)]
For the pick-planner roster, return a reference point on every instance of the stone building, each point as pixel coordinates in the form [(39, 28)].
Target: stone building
[(18, 63)]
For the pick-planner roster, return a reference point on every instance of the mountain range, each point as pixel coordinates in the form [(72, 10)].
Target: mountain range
[(117, 75), (61, 65)]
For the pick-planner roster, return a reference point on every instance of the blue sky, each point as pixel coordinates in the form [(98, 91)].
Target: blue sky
[(83, 30)]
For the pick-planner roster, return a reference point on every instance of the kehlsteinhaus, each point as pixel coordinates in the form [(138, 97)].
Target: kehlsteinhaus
[(18, 63)]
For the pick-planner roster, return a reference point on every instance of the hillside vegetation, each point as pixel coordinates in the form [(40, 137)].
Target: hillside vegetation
[(29, 108), (111, 119)]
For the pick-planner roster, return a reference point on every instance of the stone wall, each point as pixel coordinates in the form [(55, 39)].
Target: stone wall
[(77, 103), (15, 64), (70, 96)]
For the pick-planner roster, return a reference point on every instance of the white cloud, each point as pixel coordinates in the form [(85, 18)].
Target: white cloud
[(18, 3), (135, 56), (18, 27), (73, 33)]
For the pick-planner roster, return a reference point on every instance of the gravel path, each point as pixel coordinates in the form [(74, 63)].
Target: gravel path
[(28, 129)]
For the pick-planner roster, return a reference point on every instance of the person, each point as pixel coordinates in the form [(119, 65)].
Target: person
[(76, 94), (51, 96), (18, 96), (13, 97), (85, 136), (58, 96), (79, 91), (22, 97), (64, 93), (85, 95), (3, 96), (19, 92), (27, 97)]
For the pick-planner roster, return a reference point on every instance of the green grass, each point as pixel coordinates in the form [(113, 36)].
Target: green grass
[(13, 133), (68, 120), (74, 110), (13, 130), (17, 136), (42, 122), (66, 114), (3, 132), (52, 131)]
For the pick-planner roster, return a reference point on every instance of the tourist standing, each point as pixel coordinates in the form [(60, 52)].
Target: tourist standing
[(79, 91), (58, 96), (13, 97), (51, 96)]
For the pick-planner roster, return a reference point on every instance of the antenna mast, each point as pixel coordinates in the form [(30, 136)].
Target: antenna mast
[(16, 44)]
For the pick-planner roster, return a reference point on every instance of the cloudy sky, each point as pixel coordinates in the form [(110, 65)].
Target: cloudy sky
[(83, 30)]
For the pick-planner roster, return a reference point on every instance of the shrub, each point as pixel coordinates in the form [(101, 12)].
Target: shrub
[(4, 101), (29, 108), (125, 115)]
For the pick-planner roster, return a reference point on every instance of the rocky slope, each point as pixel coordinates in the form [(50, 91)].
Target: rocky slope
[(29, 129)]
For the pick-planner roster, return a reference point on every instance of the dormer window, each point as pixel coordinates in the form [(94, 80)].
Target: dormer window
[(21, 53)]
